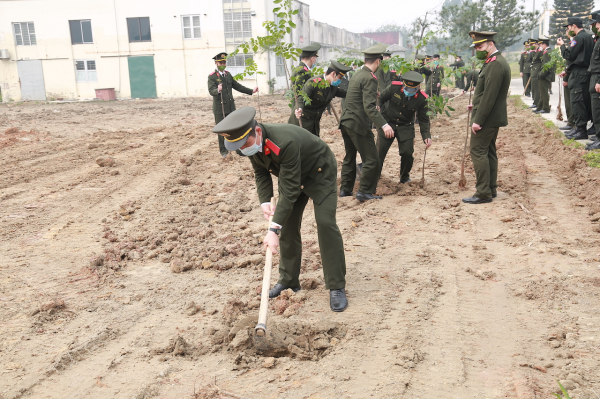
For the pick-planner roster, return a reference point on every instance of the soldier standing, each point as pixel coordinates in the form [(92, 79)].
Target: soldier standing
[(361, 107), (459, 80), (306, 168), (594, 88), (384, 79), (437, 74), (489, 114), (536, 65), (527, 66), (405, 99), (220, 86), (545, 78), (522, 63), (308, 60), (320, 90), (578, 54)]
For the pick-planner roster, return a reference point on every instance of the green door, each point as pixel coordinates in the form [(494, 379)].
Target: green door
[(141, 77)]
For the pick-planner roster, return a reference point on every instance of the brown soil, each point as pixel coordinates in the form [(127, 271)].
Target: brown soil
[(131, 266)]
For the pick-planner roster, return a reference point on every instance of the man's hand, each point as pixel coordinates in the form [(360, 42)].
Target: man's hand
[(475, 128), (268, 211), (272, 241), (560, 41), (597, 87), (565, 84), (521, 74), (562, 74), (470, 107), (298, 113), (255, 90), (427, 143), (438, 85), (389, 132), (220, 87)]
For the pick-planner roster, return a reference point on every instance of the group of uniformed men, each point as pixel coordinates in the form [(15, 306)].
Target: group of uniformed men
[(307, 168), (580, 78)]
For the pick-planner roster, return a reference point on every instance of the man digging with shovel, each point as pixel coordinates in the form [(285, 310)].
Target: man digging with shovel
[(306, 168)]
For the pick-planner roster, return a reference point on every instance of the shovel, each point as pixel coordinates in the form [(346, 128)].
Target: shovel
[(462, 183), (422, 182)]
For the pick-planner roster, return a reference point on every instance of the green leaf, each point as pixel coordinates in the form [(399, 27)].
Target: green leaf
[(295, 12), (293, 25), (429, 113), (276, 10), (447, 113), (451, 109), (282, 15)]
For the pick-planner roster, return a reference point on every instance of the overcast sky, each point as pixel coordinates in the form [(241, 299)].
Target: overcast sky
[(359, 15)]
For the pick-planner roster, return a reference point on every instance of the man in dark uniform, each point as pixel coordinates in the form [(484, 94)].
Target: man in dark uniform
[(435, 80), (489, 114), (545, 77), (405, 99), (522, 63), (320, 90), (594, 88), (355, 124), (384, 79), (567, 93), (471, 79), (308, 59), (459, 77), (220, 86), (306, 168), (536, 65), (527, 66), (578, 54)]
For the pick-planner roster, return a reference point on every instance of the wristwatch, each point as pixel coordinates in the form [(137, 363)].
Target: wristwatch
[(274, 230)]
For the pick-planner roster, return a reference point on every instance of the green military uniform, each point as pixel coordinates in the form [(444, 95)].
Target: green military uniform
[(225, 97), (527, 68), (320, 93), (536, 65), (522, 59), (578, 53), (305, 168), (594, 70), (544, 80), (355, 124), (300, 76), (437, 74), (384, 79), (489, 111), (471, 79), (401, 116), (459, 80)]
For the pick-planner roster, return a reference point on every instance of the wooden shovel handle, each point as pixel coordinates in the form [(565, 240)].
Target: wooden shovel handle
[(261, 326)]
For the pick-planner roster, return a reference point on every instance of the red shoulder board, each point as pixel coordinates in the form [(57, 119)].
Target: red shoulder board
[(397, 83), (373, 75), (423, 93), (212, 73), (270, 146), (545, 51), (306, 69), (392, 71), (490, 60)]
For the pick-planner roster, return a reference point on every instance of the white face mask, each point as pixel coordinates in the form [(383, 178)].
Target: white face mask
[(254, 148)]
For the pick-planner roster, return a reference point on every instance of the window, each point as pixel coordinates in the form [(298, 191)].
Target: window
[(86, 71), (237, 63), (237, 21), (139, 29), (81, 31), (24, 33), (279, 66), (191, 26)]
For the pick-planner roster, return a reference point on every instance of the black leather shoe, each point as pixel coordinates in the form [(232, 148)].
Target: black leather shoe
[(494, 195), (592, 131), (475, 200), (337, 300), (346, 193), (568, 127), (593, 146), (570, 132), (366, 196), (580, 134), (541, 111), (275, 291), (404, 181), (533, 106)]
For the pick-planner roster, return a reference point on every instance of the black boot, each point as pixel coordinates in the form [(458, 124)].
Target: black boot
[(567, 127), (362, 197), (591, 131), (570, 132), (533, 106), (337, 300), (275, 291), (346, 193), (580, 134), (593, 146)]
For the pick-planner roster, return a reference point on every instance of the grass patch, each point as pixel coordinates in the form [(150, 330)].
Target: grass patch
[(514, 69), (564, 392), (593, 158), (519, 101), (573, 143), (550, 124)]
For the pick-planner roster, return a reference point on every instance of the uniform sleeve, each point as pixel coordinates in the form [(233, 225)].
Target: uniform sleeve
[(309, 89), (545, 60), (301, 79), (212, 86), (370, 103), (340, 92), (290, 180), (442, 72), (239, 87), (386, 94), (570, 53), (425, 71), (264, 182), (424, 124), (521, 62), (493, 83)]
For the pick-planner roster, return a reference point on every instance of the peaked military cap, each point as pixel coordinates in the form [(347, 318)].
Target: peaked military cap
[(544, 40), (387, 53), (339, 67), (526, 42), (532, 41), (574, 21), (311, 50), (412, 78), (236, 127), (595, 17), (480, 37), (220, 57), (420, 57), (375, 51)]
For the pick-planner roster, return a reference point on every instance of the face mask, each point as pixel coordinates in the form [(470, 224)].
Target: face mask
[(531, 48), (572, 33), (336, 83), (249, 151), (595, 30), (436, 63), (410, 91), (221, 67), (481, 55)]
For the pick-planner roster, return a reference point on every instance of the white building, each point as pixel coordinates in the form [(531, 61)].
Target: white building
[(66, 49), (544, 23)]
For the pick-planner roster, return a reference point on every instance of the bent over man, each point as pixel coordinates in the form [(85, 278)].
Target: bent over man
[(306, 168)]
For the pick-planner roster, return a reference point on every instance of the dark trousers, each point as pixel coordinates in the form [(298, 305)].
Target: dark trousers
[(595, 103), (222, 149), (485, 161), (460, 82), (579, 82), (535, 88), (364, 144), (567, 101), (544, 87), (330, 243), (405, 149), (525, 81)]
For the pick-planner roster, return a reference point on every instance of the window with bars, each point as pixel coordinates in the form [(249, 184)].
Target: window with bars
[(86, 71), (279, 66), (237, 19), (139, 29), (24, 33), (191, 26), (237, 63), (81, 31)]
